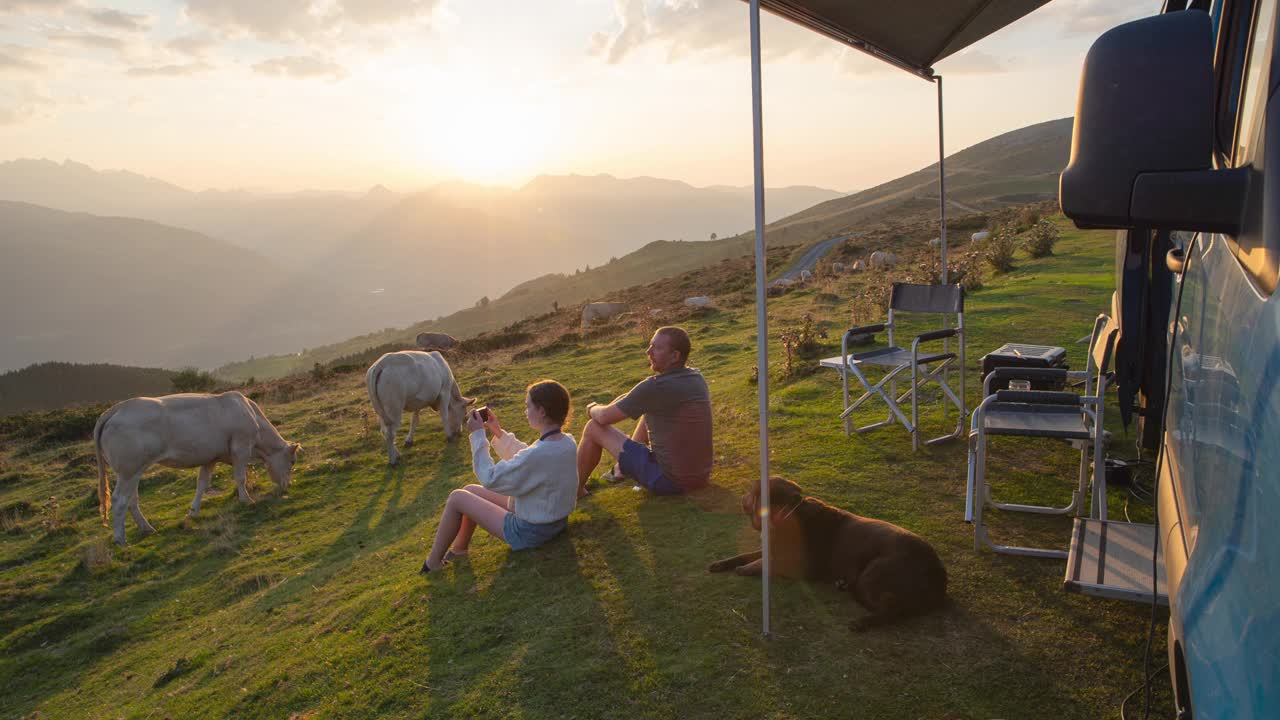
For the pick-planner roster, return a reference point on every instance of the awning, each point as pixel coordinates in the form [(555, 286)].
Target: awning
[(911, 34)]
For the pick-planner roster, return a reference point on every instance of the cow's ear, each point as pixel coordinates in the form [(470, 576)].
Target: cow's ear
[(470, 401), (295, 448)]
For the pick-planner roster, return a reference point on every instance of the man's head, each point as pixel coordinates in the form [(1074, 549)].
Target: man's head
[(668, 349)]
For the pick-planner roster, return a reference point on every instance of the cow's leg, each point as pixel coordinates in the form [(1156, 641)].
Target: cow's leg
[(413, 425), (136, 511), (121, 499), (389, 429), (240, 468), (202, 486)]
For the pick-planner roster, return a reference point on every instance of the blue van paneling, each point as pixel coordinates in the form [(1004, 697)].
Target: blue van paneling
[(1224, 441)]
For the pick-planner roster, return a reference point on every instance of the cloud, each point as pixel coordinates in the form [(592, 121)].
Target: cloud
[(24, 106), (193, 45), (36, 5), (300, 66), (1092, 17), (15, 58), (300, 19), (274, 19), (88, 40), (380, 12), (174, 70), (118, 20), (686, 27), (975, 62)]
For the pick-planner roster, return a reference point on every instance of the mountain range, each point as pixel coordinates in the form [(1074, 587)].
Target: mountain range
[(118, 267)]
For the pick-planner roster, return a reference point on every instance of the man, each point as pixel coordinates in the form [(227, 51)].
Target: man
[(670, 451)]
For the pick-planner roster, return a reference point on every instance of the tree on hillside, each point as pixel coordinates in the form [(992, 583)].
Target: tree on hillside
[(713, 236), (483, 302), (193, 380)]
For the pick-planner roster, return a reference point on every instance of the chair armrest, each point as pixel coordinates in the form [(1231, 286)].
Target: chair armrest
[(863, 330), (1039, 397), (937, 335)]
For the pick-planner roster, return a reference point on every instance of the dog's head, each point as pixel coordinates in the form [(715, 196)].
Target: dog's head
[(784, 495)]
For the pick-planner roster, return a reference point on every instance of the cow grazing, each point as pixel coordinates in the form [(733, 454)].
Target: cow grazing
[(592, 312), (806, 276), (436, 341), (183, 431), (412, 380), (881, 260), (837, 267)]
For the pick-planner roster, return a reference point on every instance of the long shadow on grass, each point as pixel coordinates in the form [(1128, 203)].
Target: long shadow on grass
[(84, 619), (532, 635), (362, 537)]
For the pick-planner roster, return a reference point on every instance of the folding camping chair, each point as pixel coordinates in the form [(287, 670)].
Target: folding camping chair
[(942, 300), (1063, 414)]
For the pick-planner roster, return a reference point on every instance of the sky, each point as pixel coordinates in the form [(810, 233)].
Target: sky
[(285, 95)]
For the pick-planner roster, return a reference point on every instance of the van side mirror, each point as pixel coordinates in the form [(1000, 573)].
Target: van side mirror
[(1142, 145)]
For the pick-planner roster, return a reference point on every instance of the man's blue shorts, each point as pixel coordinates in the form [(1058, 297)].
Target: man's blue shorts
[(639, 464)]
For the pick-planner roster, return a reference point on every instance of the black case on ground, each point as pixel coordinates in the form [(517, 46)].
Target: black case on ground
[(1022, 355)]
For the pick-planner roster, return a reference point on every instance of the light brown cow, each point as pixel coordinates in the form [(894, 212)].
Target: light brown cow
[(183, 431), (413, 380)]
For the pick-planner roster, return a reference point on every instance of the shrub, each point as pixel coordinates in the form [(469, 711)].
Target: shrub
[(55, 426), (1027, 218), (872, 302), (1041, 239), (999, 248), (193, 380), (801, 341)]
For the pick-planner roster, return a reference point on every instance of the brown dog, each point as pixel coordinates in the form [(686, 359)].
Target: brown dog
[(890, 571)]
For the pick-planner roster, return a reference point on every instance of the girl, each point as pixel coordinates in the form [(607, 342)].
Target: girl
[(526, 498)]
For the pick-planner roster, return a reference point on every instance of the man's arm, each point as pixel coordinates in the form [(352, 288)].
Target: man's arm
[(606, 414)]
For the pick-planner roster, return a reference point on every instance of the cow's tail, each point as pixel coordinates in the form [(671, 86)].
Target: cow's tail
[(371, 378), (104, 490)]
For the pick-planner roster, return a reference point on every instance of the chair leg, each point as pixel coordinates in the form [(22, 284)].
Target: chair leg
[(915, 409), (844, 389)]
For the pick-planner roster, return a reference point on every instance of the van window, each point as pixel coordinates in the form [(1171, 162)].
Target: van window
[(1233, 41), (1258, 253), (1253, 96)]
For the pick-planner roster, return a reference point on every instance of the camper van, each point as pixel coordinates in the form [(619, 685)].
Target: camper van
[(1177, 146)]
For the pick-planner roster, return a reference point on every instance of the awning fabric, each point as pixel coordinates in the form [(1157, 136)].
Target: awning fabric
[(912, 34)]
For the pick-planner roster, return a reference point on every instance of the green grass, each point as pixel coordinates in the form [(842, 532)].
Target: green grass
[(308, 605)]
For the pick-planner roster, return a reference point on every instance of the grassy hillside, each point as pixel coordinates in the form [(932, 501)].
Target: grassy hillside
[(49, 386), (306, 604)]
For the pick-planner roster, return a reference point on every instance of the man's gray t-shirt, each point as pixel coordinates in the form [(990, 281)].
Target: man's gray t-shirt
[(677, 408)]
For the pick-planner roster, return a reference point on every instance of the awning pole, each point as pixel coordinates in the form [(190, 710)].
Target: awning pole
[(942, 184), (762, 320), (942, 228)]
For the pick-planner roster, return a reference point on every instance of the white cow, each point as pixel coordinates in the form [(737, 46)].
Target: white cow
[(806, 276), (592, 312), (183, 431), (412, 380), (881, 260)]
